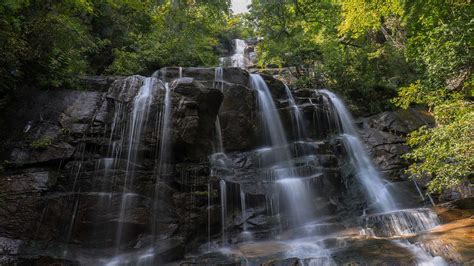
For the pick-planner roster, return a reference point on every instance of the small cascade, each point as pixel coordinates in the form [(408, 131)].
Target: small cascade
[(246, 234), (238, 58), (137, 121), (165, 134), (423, 258), (219, 84), (138, 118), (219, 145), (297, 119), (399, 223), (242, 206), (368, 175), (162, 168), (278, 160), (223, 190), (219, 78), (273, 127), (366, 172), (389, 222), (297, 197)]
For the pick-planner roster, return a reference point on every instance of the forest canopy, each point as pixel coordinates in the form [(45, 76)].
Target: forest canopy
[(379, 55)]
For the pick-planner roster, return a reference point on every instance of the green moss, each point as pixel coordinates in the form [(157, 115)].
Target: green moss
[(41, 143), (200, 193), (65, 131)]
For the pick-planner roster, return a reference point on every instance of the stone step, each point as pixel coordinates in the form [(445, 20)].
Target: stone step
[(268, 156), (400, 222)]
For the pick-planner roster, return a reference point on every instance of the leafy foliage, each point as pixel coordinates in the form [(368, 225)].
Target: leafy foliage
[(320, 36), (447, 151), (184, 36), (52, 43)]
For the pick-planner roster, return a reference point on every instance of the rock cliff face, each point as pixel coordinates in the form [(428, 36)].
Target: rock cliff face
[(72, 180)]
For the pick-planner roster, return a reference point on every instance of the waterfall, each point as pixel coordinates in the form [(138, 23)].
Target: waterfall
[(223, 209), (165, 133), (137, 121), (401, 222), (138, 118), (162, 168), (219, 78), (243, 208), (296, 117), (293, 187), (271, 119), (391, 222), (366, 172), (219, 84), (238, 58), (297, 197)]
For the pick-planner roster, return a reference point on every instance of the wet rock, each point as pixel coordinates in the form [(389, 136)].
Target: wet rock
[(456, 210), (20, 216), (9, 246), (101, 83), (205, 75), (192, 176), (213, 258), (238, 118), (52, 152), (373, 252), (45, 261), (400, 222), (276, 87), (384, 136), (453, 241), (126, 89), (401, 122), (195, 115), (81, 110), (283, 262), (26, 183)]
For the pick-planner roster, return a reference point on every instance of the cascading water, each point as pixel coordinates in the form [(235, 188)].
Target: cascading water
[(219, 84), (165, 133), (219, 78), (218, 161), (273, 127), (299, 130), (392, 222), (137, 121), (293, 187), (126, 151), (238, 59), (223, 190), (366, 172), (162, 168)]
